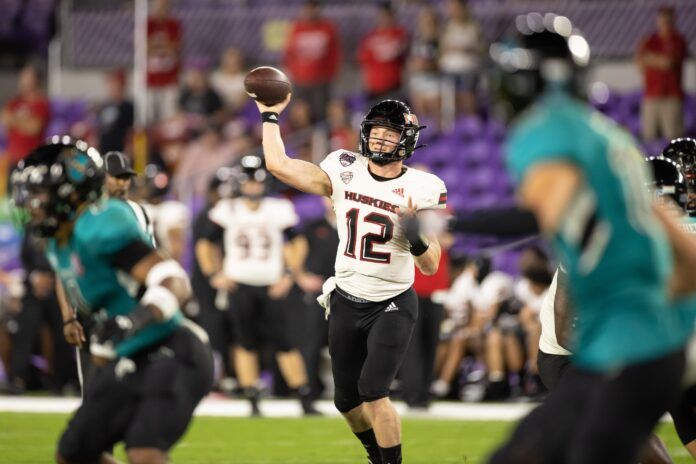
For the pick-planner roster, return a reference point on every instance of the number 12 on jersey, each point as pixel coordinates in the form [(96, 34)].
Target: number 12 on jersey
[(368, 240)]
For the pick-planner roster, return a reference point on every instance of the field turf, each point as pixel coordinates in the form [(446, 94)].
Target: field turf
[(30, 438)]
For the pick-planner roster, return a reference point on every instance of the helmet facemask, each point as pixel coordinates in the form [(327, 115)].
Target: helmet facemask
[(253, 170), (396, 116)]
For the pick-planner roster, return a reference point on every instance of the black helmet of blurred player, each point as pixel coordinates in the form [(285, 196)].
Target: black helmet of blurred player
[(668, 182), (252, 177), (683, 152), (394, 115), (544, 52), (51, 184)]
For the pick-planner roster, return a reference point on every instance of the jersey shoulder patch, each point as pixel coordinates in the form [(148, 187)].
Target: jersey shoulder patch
[(106, 227), (340, 166)]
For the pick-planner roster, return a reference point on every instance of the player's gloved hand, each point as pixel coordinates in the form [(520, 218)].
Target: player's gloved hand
[(412, 229), (110, 331)]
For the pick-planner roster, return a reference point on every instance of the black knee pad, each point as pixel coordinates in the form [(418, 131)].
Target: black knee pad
[(345, 401)]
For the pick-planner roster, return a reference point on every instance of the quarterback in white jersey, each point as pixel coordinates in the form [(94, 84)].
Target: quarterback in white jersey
[(371, 304), (374, 259)]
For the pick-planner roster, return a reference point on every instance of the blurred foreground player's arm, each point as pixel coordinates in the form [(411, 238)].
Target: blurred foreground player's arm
[(547, 190), (501, 222), (300, 174), (158, 312)]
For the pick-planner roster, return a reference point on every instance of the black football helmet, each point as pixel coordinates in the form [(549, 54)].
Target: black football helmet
[(543, 52), (252, 168), (683, 152), (668, 181), (53, 181), (395, 115)]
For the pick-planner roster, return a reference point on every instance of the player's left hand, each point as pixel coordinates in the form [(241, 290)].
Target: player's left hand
[(280, 289), (409, 221)]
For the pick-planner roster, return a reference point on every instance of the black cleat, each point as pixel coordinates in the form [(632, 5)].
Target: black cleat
[(253, 394), (308, 408), (255, 410)]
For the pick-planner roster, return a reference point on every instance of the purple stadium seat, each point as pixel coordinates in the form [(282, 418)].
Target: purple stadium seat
[(468, 127), (495, 130), (308, 207)]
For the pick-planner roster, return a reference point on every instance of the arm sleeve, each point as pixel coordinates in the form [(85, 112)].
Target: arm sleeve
[(130, 255), (211, 231), (287, 217), (501, 222), (433, 194)]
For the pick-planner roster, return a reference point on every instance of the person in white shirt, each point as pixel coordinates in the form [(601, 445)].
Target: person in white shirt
[(257, 235)]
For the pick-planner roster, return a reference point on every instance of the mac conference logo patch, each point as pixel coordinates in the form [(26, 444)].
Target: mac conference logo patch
[(346, 177), (346, 159)]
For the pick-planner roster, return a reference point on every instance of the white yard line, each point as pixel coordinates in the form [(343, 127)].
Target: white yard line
[(224, 407), (216, 406)]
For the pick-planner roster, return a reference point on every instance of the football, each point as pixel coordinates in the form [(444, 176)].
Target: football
[(267, 85)]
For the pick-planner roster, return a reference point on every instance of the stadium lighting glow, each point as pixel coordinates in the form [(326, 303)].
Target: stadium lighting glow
[(599, 92), (579, 48), (562, 25), (535, 22)]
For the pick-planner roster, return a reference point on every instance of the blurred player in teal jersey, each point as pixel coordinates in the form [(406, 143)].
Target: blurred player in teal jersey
[(584, 179), (152, 366)]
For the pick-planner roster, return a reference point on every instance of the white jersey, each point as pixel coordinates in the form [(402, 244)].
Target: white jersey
[(253, 239), (548, 343), (168, 216), (374, 261), (531, 300)]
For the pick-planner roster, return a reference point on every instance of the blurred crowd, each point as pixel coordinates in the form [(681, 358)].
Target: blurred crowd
[(476, 337), (478, 334)]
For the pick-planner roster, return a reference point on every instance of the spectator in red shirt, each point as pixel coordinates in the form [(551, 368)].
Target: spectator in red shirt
[(164, 39), (661, 58), (382, 55), (312, 58), (25, 117)]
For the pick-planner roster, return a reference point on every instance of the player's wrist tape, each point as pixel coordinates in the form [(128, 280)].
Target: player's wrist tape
[(163, 299), (419, 246), (269, 116), (69, 321)]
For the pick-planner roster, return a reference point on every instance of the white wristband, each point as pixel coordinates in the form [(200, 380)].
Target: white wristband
[(163, 299), (164, 270)]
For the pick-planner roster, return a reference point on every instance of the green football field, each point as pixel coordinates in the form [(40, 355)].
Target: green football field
[(30, 438)]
